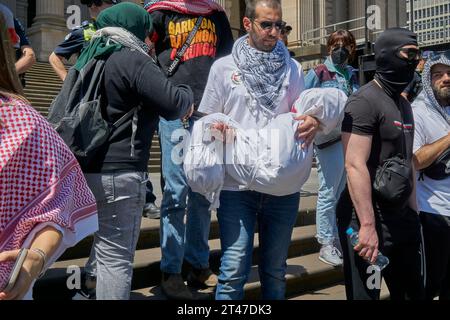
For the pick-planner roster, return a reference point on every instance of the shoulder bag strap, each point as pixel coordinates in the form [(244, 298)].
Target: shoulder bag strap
[(182, 51)]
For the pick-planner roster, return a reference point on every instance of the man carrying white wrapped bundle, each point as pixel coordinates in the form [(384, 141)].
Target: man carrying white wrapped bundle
[(253, 85)]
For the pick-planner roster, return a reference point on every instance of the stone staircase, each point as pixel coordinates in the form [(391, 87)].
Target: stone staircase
[(305, 271), (307, 277), (42, 85)]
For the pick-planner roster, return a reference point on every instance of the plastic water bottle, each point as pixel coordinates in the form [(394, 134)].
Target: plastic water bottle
[(380, 263)]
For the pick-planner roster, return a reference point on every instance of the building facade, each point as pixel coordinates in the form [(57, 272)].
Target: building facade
[(431, 20), (314, 20), (311, 20)]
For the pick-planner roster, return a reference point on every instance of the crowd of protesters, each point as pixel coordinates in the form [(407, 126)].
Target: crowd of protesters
[(383, 165)]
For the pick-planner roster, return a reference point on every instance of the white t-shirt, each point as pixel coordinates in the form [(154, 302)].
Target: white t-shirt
[(433, 196), (225, 93)]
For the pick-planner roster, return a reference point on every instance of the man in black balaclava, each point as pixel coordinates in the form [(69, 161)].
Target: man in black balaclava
[(379, 125), (396, 56)]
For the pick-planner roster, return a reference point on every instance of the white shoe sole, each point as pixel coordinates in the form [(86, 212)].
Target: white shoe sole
[(329, 263)]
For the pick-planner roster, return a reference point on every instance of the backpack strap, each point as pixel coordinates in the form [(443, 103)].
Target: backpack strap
[(124, 118), (133, 112)]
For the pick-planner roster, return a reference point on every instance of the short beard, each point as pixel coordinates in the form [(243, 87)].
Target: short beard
[(253, 36), (442, 95)]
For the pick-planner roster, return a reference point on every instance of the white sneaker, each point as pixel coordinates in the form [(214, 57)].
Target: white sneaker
[(329, 254)]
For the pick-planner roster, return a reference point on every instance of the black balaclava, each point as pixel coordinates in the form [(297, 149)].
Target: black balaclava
[(393, 72)]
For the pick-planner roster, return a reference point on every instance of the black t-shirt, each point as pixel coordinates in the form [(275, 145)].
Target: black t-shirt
[(212, 40), (72, 44), (132, 79), (370, 111)]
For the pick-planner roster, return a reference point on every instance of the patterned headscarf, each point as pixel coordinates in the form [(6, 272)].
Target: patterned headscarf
[(41, 183), (123, 25), (431, 100), (192, 7), (263, 73)]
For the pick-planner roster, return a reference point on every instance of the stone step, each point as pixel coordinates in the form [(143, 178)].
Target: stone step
[(304, 273), (37, 69), (154, 161), (44, 82), (41, 84), (336, 292), (147, 262), (154, 169), (155, 153), (38, 91), (41, 102), (149, 235), (43, 72), (41, 96), (44, 76)]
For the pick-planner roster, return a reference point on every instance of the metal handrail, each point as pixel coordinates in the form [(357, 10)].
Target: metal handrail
[(306, 40), (334, 25)]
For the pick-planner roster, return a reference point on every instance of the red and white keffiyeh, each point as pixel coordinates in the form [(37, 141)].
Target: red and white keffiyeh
[(192, 7), (41, 182)]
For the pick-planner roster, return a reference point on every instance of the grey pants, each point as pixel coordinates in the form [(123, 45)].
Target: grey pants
[(120, 201)]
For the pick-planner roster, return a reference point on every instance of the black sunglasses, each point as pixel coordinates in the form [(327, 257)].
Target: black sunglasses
[(412, 54), (269, 25)]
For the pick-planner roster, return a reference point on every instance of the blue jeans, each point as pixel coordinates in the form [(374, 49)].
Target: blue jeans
[(237, 215), (120, 200), (178, 239), (332, 181)]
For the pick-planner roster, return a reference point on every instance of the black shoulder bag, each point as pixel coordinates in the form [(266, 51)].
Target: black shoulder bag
[(176, 62), (392, 184)]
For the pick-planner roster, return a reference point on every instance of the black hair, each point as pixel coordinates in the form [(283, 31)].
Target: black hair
[(250, 6)]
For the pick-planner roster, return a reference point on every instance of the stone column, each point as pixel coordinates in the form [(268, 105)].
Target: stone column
[(21, 13), (49, 27), (235, 15), (357, 10), (306, 18), (322, 21)]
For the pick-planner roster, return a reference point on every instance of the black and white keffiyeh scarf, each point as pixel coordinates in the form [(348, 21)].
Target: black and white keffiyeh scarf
[(427, 86), (263, 73)]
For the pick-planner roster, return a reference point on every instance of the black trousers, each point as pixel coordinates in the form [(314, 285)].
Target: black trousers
[(436, 233), (399, 237), (149, 194)]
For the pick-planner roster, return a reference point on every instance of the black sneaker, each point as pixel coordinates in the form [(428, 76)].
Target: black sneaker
[(151, 211), (174, 288)]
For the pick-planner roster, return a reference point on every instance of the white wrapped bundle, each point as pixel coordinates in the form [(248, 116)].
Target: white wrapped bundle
[(269, 160)]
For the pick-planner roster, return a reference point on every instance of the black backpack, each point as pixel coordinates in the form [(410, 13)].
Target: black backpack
[(76, 112)]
